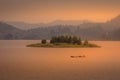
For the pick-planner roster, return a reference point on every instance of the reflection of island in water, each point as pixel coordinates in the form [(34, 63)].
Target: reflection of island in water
[(81, 56)]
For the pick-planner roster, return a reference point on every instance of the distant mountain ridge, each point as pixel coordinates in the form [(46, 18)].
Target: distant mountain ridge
[(113, 24), (9, 32), (27, 26), (109, 30)]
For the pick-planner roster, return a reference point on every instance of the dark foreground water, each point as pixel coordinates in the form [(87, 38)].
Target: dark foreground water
[(18, 62)]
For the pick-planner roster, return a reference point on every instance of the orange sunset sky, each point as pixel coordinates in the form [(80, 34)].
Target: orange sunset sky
[(35, 11)]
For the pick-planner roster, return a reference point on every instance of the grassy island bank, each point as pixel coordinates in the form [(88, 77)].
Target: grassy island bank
[(64, 42)]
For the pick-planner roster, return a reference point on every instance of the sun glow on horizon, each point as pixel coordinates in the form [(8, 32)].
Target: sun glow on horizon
[(48, 11)]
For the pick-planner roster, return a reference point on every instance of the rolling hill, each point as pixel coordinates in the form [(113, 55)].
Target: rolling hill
[(109, 30), (9, 32)]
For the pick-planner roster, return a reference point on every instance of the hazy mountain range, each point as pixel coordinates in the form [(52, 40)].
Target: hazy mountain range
[(27, 26), (109, 30)]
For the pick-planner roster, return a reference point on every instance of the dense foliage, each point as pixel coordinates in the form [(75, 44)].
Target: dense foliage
[(43, 41), (66, 39)]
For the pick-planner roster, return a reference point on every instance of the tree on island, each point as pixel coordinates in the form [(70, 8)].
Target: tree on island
[(43, 41), (79, 41), (86, 42), (66, 39)]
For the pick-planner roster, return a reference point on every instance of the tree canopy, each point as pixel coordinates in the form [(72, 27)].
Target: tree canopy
[(43, 41), (66, 39)]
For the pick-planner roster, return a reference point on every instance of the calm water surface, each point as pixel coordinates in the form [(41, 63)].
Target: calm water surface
[(18, 62)]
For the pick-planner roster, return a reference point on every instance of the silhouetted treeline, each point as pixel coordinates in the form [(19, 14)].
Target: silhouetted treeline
[(66, 39)]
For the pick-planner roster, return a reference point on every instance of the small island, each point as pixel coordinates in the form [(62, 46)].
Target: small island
[(64, 42)]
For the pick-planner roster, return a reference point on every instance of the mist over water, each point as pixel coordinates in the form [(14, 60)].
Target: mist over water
[(18, 62)]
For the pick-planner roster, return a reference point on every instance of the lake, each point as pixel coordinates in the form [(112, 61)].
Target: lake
[(18, 62)]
